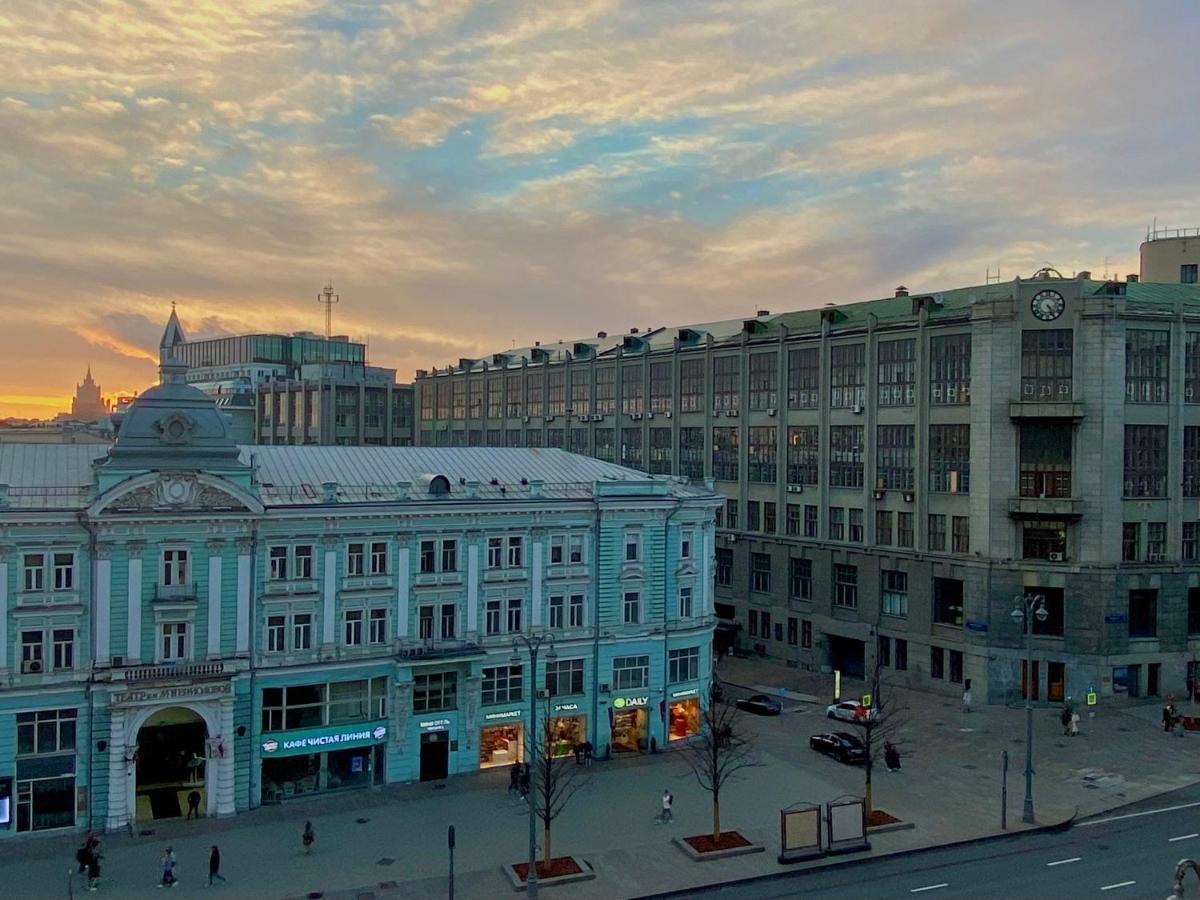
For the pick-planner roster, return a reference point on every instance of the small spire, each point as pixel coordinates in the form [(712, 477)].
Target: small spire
[(170, 367)]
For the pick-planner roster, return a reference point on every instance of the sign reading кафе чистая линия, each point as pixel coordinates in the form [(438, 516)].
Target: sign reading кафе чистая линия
[(330, 737)]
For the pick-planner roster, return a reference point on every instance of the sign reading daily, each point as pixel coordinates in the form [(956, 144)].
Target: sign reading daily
[(331, 737)]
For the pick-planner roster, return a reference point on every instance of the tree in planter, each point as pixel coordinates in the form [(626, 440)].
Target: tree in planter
[(553, 781), (881, 727), (718, 753)]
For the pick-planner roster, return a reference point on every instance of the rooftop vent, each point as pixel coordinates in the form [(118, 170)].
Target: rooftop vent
[(763, 312), (537, 343), (902, 291), (1132, 279), (602, 334)]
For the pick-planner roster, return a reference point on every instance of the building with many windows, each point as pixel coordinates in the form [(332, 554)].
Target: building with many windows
[(179, 613), (897, 472)]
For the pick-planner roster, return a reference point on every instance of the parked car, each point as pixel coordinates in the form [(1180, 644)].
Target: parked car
[(849, 711), (760, 704), (845, 748)]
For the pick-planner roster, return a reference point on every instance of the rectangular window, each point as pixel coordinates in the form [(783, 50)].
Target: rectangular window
[(174, 568), (764, 380), (937, 663), (761, 456), (513, 405), (377, 626), (753, 520), (660, 451), (458, 395), (810, 521), (633, 546), (495, 552), (1147, 365), (1145, 460), (800, 579), (575, 549), (950, 369), (46, 731), (62, 645), (630, 672), (516, 546), (793, 631), (303, 557), (724, 566), (960, 534), (685, 603), (449, 555), (631, 448), (631, 610), (1143, 613), (856, 526), (845, 586), (557, 545), (1156, 541), (564, 677), (897, 372), (1054, 602), (435, 692), (1191, 542), (276, 634), (514, 614), (894, 592), (1191, 461), (685, 544), (725, 454), (901, 654), (727, 377), (557, 608), (449, 611), (948, 601), (33, 650), (770, 526), (354, 627), (806, 635), (691, 385), (577, 441), (575, 611), (1188, 273), (581, 392), (660, 387), (278, 558), (885, 651), (1046, 364), (837, 523), (691, 452), (793, 520), (847, 368), (904, 529), (760, 572), (846, 456), (883, 527), (491, 616), (950, 458), (302, 631), (354, 559), (894, 457), (555, 399), (803, 454), (804, 378), (428, 557), (683, 665), (937, 532), (64, 571), (1131, 540), (1191, 367), (604, 444), (605, 389), (502, 684), (1193, 611), (495, 389), (174, 636), (379, 557), (475, 398)]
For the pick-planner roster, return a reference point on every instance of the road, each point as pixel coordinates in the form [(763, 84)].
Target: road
[(1129, 854)]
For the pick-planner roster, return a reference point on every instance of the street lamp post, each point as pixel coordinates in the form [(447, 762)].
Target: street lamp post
[(1024, 607), (532, 643)]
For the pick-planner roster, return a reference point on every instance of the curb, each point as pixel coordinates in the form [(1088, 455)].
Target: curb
[(1053, 828)]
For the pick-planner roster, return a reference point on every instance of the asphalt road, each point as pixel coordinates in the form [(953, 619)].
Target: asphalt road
[(1129, 854)]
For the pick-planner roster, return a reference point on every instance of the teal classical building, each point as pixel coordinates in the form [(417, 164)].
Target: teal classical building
[(185, 619)]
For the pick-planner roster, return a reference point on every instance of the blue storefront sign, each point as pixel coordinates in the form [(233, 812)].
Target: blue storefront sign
[(976, 626), (331, 737)]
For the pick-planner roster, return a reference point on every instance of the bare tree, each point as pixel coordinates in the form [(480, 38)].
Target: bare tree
[(718, 753), (881, 727), (554, 780)]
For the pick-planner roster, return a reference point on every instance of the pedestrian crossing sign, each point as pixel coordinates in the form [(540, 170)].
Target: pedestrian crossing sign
[(866, 701), (1091, 698)]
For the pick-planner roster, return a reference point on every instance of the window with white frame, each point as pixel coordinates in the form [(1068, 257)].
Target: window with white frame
[(276, 634), (630, 672), (685, 603), (353, 627), (502, 684), (558, 547), (174, 567), (47, 649), (64, 571), (632, 608), (428, 557), (277, 558), (557, 608), (575, 611), (33, 650), (450, 555), (435, 691), (379, 558), (302, 631), (491, 617), (633, 546), (34, 565), (173, 641), (303, 557), (377, 626), (516, 545), (449, 618), (564, 677), (354, 559), (514, 614), (575, 549), (495, 552), (683, 665), (685, 543)]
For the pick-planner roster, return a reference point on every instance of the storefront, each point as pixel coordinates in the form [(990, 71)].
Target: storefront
[(683, 714), (630, 724), (333, 757), (502, 739), (45, 779), (567, 729)]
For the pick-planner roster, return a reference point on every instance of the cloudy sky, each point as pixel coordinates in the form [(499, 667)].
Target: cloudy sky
[(470, 173)]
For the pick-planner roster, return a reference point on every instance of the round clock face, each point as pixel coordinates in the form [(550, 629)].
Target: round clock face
[(1047, 305)]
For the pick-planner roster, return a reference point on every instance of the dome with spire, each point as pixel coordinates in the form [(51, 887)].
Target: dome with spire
[(173, 425)]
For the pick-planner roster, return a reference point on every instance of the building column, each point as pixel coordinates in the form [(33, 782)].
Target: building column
[(329, 592), (214, 598), (133, 603), (102, 626), (535, 563), (4, 552), (225, 777), (708, 604), (244, 548), (472, 583), (402, 577), (119, 773)]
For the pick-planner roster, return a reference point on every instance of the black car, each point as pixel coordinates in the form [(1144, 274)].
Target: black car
[(760, 704), (843, 747)]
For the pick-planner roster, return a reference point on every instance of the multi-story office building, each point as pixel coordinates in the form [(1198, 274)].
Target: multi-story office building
[(179, 613), (301, 389), (897, 472), (1171, 256)]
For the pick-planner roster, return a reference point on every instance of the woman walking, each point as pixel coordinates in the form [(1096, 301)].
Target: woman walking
[(167, 864), (308, 837), (214, 866)]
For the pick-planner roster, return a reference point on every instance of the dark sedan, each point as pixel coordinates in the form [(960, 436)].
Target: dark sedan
[(760, 704), (845, 748)]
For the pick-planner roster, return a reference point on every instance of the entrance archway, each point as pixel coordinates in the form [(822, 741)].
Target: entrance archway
[(171, 763)]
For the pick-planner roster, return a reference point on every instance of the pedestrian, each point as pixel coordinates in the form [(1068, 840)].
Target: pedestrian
[(514, 777), (1074, 724), (214, 866), (1065, 718), (891, 756), (93, 870), (167, 864), (579, 754), (966, 700), (524, 786), (193, 804), (308, 837), (82, 856), (667, 801), (587, 754)]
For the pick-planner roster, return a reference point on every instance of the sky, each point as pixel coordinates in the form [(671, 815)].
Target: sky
[(472, 174)]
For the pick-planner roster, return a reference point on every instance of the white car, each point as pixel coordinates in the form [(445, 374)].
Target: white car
[(849, 711)]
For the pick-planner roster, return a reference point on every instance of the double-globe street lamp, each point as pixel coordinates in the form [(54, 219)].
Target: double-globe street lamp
[(1025, 607), (533, 643)]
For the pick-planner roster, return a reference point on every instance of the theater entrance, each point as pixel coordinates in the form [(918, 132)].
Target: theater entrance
[(171, 764)]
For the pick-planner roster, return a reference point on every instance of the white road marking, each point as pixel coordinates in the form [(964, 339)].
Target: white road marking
[(1183, 837), (1109, 887), (1149, 812), (1063, 862), (930, 887)]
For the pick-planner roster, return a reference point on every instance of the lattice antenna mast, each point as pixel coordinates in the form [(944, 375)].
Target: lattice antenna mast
[(327, 298)]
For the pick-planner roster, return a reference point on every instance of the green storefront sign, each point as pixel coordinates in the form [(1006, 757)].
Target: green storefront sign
[(329, 737)]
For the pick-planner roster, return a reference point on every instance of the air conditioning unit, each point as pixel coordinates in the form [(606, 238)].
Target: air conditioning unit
[(667, 414), (549, 418), (635, 416), (716, 413), (604, 688), (795, 489), (908, 496), (596, 417), (771, 411), (880, 493), (544, 694), (857, 409), (117, 662), (1055, 557), (1154, 557), (649, 415), (731, 413), (31, 666), (733, 538), (525, 419)]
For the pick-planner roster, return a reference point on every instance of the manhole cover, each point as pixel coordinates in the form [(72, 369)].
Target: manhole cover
[(362, 821), (386, 861)]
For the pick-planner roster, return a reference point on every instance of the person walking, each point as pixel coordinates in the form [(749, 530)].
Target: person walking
[(1065, 718), (167, 864), (193, 804), (308, 837), (514, 777), (587, 753), (93, 870), (966, 697), (214, 866), (1074, 729), (891, 756), (524, 785), (667, 802)]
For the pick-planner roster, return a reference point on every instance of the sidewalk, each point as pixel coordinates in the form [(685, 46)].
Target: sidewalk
[(396, 837)]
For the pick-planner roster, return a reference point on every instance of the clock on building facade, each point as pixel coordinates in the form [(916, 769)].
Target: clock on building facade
[(1047, 305)]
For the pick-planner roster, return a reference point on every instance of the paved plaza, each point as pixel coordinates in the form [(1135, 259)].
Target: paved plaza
[(396, 837)]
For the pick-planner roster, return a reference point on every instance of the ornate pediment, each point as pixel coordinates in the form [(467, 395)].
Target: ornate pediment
[(177, 492)]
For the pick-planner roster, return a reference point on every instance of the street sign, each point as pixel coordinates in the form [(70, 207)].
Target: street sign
[(1092, 699), (1116, 618), (866, 701)]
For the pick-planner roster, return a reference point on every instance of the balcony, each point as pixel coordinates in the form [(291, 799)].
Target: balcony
[(172, 671), (437, 649), (290, 587), (175, 593), (437, 579), (1045, 507), (1046, 409)]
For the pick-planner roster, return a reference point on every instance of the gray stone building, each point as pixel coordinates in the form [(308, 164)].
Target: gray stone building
[(899, 473)]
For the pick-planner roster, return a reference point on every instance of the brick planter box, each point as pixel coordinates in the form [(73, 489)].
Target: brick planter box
[(700, 847), (881, 822), (567, 869)]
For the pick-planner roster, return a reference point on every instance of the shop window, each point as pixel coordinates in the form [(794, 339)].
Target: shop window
[(937, 663), (1143, 613), (631, 610), (845, 586), (502, 684), (353, 628), (685, 602), (631, 672), (894, 593), (564, 677), (760, 572), (683, 718), (683, 665), (948, 601), (379, 557), (435, 691), (800, 579), (575, 611), (354, 559), (1055, 605)]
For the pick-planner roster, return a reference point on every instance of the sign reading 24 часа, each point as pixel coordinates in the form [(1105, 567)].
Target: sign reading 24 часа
[(314, 740)]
